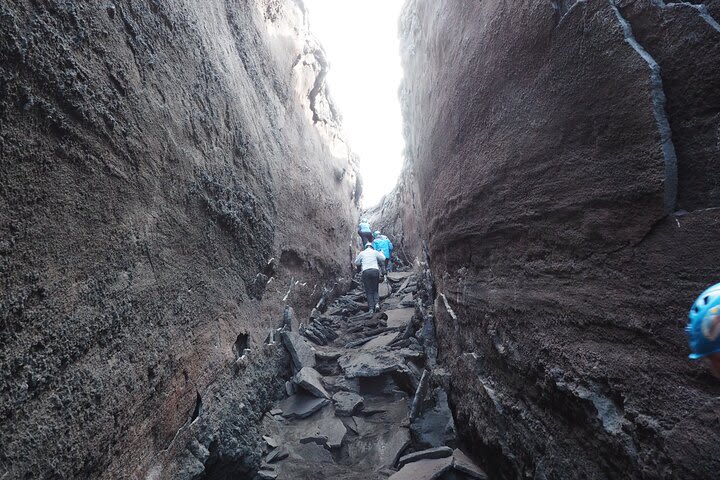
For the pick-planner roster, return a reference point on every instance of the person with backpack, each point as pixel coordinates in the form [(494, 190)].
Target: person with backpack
[(365, 231), (383, 244), (703, 329), (370, 261)]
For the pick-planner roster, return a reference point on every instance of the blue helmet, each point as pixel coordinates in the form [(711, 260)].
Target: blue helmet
[(704, 327)]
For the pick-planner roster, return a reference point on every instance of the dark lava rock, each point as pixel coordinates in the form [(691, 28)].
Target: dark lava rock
[(423, 469), (438, 452), (347, 403), (300, 350), (311, 381), (301, 405)]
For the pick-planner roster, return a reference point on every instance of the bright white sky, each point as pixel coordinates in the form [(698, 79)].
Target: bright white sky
[(360, 38)]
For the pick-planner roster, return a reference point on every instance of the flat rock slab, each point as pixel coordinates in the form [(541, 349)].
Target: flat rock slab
[(277, 455), (424, 469), (270, 441), (378, 448), (400, 317), (399, 276), (462, 463), (267, 475), (371, 363), (384, 290), (311, 452), (303, 355), (431, 453), (302, 405), (381, 340), (347, 403), (310, 380), (327, 356)]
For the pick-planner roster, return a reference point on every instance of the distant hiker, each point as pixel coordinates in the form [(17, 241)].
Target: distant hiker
[(369, 261), (383, 244), (365, 231), (704, 328)]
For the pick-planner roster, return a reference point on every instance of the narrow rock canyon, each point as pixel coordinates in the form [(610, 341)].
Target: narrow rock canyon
[(178, 216)]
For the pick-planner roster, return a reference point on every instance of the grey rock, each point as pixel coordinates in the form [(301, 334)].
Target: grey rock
[(424, 469), (384, 290), (327, 356), (435, 427), (318, 439), (371, 363), (276, 455), (438, 452), (381, 340), (392, 447), (270, 441), (311, 381), (400, 317), (302, 354), (399, 276), (290, 388), (464, 464), (302, 405), (347, 403), (311, 452), (267, 475)]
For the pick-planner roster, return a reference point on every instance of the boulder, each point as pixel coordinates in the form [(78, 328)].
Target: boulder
[(464, 464), (381, 340), (302, 354), (347, 403), (370, 363), (302, 405), (311, 381), (400, 317), (430, 453), (424, 469), (399, 276)]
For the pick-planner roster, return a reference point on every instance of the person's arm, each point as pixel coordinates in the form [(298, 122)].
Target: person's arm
[(380, 256), (358, 259)]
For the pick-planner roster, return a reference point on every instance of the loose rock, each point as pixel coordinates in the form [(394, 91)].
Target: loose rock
[(309, 379), (464, 464), (302, 405), (439, 452), (347, 403), (424, 469), (301, 352)]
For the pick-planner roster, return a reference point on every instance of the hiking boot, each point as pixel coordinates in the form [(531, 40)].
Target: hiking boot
[(377, 307)]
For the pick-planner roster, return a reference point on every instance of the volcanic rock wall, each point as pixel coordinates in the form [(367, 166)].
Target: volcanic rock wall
[(564, 156), (167, 170)]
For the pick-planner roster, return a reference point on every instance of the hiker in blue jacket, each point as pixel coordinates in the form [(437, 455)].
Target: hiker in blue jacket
[(365, 231), (384, 245), (704, 329)]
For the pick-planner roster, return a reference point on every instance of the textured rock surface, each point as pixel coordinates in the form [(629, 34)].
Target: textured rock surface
[(548, 168), (160, 163)]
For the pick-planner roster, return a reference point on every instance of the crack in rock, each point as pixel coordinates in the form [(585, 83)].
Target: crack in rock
[(661, 119)]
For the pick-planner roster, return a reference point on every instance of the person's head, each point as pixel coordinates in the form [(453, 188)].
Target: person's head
[(368, 245), (364, 220), (376, 233), (703, 330)]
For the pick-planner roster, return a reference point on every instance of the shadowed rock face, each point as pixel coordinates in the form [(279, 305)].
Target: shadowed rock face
[(550, 147), (161, 162)]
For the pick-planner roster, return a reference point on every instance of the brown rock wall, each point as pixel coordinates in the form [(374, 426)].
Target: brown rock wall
[(545, 152), (160, 163)]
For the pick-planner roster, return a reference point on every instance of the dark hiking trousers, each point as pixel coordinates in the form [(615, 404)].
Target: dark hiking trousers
[(365, 237), (370, 280)]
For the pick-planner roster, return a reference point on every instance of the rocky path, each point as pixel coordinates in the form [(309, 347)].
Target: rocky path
[(366, 400)]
